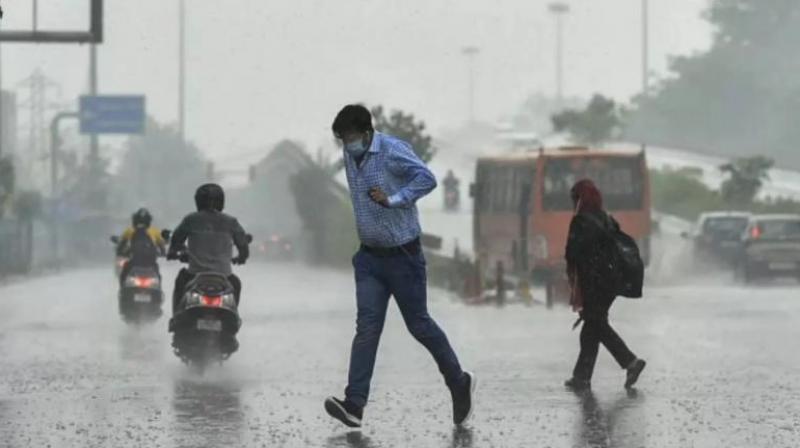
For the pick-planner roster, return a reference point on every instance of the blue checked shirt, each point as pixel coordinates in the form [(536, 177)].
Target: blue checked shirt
[(390, 164)]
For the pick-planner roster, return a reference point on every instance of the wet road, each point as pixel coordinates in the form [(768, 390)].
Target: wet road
[(722, 371)]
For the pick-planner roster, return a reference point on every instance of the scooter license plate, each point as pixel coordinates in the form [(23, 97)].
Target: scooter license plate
[(782, 266), (209, 324), (141, 298)]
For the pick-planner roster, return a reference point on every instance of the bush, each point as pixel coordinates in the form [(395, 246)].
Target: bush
[(682, 193), (326, 213)]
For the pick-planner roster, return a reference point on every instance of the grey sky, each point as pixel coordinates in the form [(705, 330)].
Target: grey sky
[(261, 70)]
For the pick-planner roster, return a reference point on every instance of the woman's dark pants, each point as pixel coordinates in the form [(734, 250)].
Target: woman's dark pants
[(596, 330)]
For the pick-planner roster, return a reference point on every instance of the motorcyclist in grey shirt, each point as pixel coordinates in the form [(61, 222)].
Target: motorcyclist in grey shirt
[(210, 236)]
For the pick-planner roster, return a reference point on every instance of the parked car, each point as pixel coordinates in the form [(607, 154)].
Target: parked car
[(770, 248), (717, 236)]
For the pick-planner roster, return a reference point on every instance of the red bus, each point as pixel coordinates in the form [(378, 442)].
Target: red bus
[(522, 207)]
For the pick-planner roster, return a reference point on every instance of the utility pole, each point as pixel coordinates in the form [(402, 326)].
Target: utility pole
[(55, 143), (470, 53), (645, 47), (38, 86), (559, 10), (35, 11), (94, 150), (1, 86), (182, 70), (55, 148)]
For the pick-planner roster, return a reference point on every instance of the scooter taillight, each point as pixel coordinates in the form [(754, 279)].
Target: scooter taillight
[(144, 282), (215, 301)]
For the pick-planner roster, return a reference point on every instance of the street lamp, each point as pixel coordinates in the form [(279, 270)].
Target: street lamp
[(182, 70), (470, 53), (645, 47), (559, 10)]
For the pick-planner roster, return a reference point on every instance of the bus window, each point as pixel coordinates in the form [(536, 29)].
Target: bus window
[(619, 179), (523, 178), (483, 186), (499, 188)]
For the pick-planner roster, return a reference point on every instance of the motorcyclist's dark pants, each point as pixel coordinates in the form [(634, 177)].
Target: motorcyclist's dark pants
[(184, 277), (596, 330)]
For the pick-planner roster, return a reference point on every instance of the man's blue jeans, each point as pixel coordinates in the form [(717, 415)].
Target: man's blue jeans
[(402, 276)]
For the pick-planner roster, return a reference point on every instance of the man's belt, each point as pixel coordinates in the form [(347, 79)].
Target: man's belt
[(412, 247)]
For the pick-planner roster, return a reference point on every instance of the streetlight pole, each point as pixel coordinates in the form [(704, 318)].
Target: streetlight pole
[(559, 10), (645, 46), (182, 70), (470, 53), (94, 150), (1, 89)]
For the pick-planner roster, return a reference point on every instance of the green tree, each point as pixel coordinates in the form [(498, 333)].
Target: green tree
[(159, 171), (741, 95), (597, 123), (324, 208), (746, 176), (405, 127), (681, 192)]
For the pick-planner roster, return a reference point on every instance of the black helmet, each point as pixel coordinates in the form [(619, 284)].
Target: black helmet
[(209, 197), (141, 218)]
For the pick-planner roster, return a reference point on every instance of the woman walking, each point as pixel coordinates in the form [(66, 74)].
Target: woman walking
[(592, 291)]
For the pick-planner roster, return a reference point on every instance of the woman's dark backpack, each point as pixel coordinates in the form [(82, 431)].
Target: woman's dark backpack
[(622, 262), (143, 251)]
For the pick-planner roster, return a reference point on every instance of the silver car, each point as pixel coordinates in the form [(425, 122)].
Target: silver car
[(770, 247)]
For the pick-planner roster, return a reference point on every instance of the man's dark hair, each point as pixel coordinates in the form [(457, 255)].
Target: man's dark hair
[(352, 118)]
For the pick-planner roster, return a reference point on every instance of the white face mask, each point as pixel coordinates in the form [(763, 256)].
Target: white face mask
[(356, 148)]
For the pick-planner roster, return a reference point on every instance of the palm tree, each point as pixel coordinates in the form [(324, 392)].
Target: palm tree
[(746, 177)]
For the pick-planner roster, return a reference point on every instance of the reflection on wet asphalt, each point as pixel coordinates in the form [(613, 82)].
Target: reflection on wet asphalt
[(351, 439), (73, 375), (462, 437), (207, 414), (597, 424)]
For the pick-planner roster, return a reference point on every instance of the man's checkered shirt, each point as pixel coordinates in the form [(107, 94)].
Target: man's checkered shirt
[(390, 164)]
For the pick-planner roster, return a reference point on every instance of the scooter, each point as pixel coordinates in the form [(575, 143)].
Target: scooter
[(451, 200), (206, 321), (140, 295)]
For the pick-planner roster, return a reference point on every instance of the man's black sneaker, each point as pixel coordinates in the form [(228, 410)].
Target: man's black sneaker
[(577, 384), (634, 370), (344, 411), (462, 399)]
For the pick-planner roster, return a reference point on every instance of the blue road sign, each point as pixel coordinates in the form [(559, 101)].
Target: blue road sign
[(112, 114)]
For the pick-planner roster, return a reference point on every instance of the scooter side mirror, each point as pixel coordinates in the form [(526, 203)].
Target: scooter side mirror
[(114, 239), (166, 234)]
